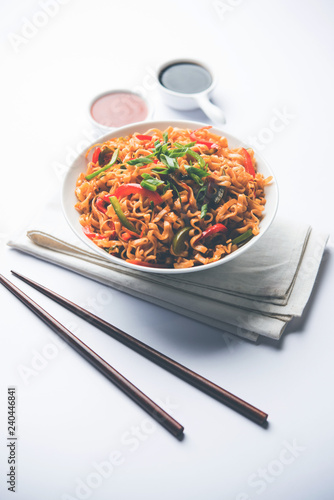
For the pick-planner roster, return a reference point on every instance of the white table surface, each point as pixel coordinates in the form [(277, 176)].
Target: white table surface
[(272, 59)]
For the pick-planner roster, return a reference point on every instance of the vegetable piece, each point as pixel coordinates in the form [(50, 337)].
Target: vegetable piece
[(197, 157), (160, 148), (216, 195), (180, 150), (209, 144), (216, 228), (196, 174), (149, 185), (243, 237), (100, 205), (90, 234), (110, 164), (161, 170), (143, 137), (104, 152), (201, 194), (248, 162), (106, 198), (120, 214), (174, 188), (204, 210), (178, 243), (188, 145), (166, 187), (96, 155), (126, 236), (150, 182), (132, 188), (142, 160), (201, 197), (170, 163), (199, 172)]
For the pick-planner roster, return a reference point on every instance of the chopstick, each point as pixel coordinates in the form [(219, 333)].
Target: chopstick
[(193, 378), (113, 375)]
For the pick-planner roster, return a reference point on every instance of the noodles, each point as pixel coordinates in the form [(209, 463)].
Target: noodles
[(175, 198)]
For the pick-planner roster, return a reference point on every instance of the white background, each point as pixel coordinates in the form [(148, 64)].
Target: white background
[(271, 58)]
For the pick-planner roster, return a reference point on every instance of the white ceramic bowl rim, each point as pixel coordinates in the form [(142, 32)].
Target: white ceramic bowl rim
[(80, 165)]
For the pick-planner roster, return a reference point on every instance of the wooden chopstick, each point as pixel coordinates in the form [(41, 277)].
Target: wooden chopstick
[(157, 357), (113, 375)]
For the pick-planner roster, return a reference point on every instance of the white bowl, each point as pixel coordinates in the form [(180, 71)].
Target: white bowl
[(80, 165)]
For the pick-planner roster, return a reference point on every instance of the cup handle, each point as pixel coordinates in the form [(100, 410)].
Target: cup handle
[(211, 110)]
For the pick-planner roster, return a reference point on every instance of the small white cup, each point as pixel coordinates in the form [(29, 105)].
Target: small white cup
[(183, 101), (106, 128)]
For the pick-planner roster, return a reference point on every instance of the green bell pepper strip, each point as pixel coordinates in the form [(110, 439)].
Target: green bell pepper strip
[(110, 164), (178, 243), (242, 237), (120, 214)]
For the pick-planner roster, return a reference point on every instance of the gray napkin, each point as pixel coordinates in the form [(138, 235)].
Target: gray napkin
[(257, 293)]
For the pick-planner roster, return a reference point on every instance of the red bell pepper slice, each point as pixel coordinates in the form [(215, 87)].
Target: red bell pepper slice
[(217, 228), (127, 189), (194, 138), (100, 205), (130, 234), (142, 137), (90, 234), (127, 236), (106, 198), (96, 155), (248, 162)]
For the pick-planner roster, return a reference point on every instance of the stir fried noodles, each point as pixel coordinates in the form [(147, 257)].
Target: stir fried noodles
[(170, 199)]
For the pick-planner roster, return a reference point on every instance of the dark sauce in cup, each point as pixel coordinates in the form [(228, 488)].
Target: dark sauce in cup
[(186, 78)]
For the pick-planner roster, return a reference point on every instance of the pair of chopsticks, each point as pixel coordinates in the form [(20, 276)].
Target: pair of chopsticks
[(114, 376)]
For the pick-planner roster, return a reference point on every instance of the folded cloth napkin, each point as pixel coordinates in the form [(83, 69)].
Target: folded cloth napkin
[(255, 294)]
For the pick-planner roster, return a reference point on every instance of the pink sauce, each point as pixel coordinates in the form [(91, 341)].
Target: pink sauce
[(119, 108)]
